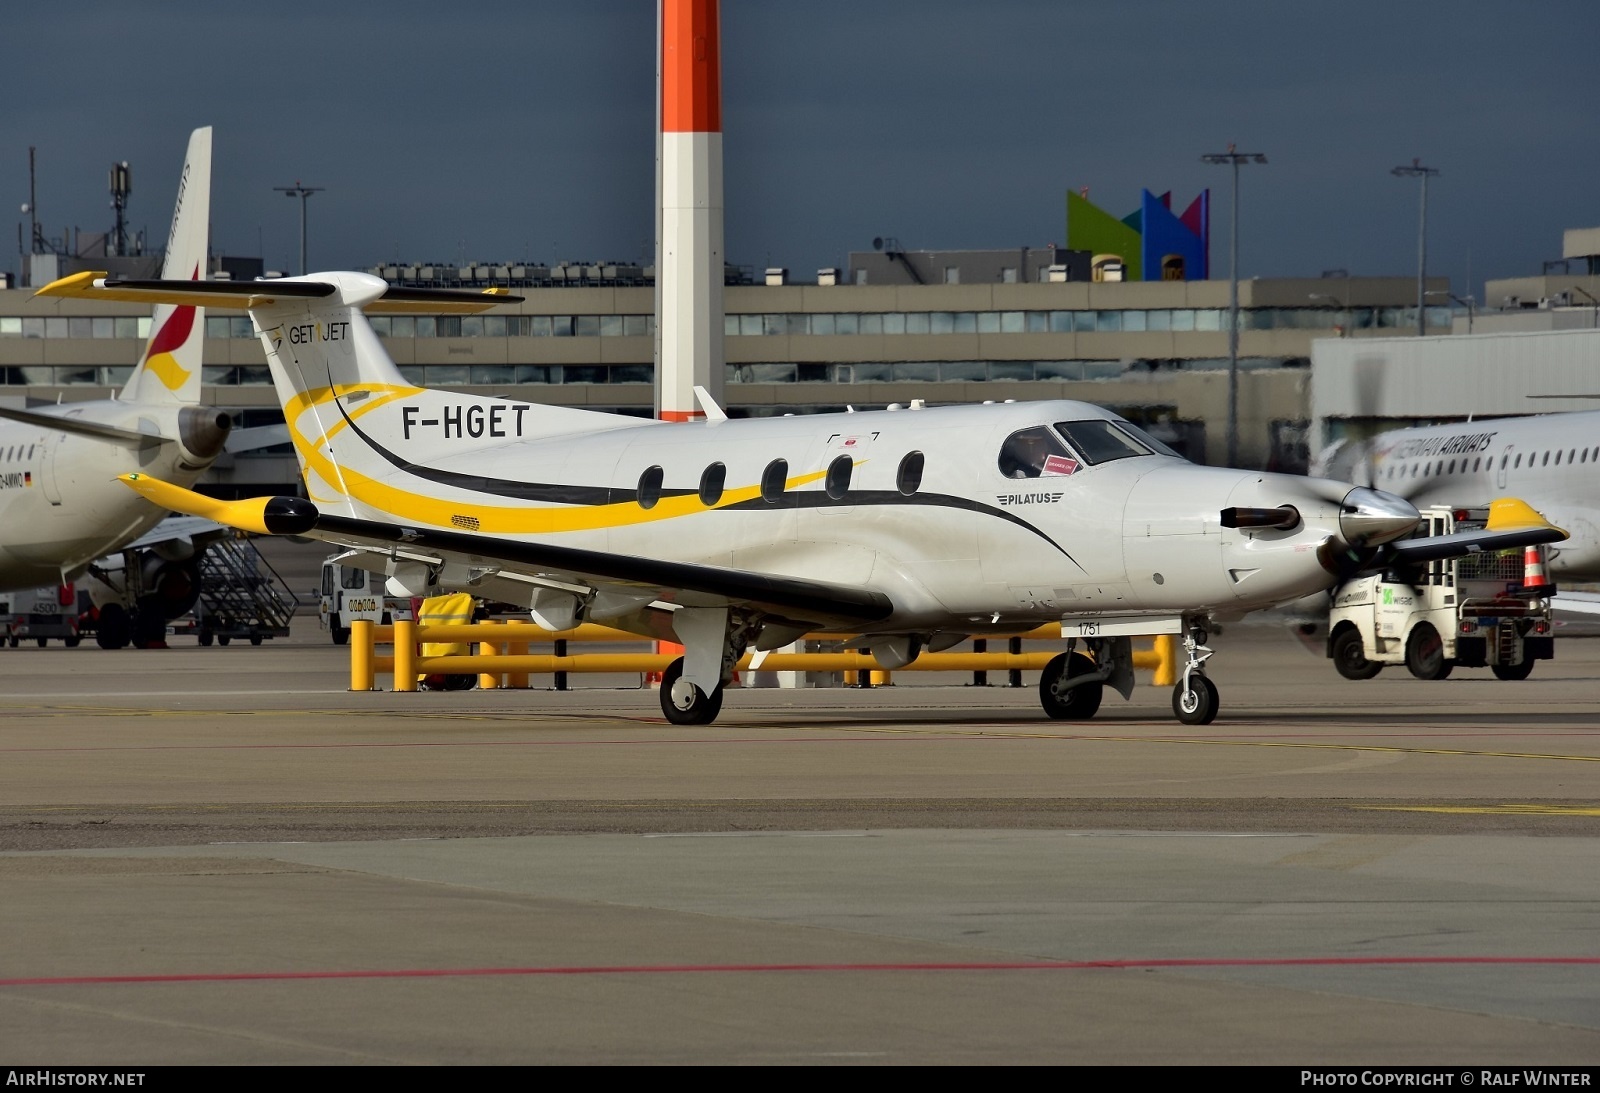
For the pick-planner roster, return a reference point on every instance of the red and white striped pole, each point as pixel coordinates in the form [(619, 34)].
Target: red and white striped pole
[(689, 254)]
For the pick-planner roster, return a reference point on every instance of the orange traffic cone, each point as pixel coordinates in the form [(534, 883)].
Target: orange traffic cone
[(1533, 567)]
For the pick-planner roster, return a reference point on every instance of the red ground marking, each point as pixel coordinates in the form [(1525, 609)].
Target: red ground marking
[(701, 969)]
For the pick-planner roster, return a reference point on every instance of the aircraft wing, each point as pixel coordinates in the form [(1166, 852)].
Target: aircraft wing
[(539, 564), (56, 422), (1577, 603), (194, 529), (256, 436), (1512, 523)]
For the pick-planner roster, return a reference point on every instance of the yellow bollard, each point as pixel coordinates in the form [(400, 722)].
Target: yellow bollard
[(362, 675), (879, 678), (518, 680), (405, 655), (1166, 661), (489, 681)]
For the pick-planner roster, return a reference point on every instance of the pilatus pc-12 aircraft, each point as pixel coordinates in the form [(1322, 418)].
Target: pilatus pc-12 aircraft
[(914, 528), (61, 507)]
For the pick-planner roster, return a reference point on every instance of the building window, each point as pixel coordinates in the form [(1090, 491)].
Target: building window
[(952, 275)]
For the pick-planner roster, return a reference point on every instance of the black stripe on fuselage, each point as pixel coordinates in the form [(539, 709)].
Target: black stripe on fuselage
[(562, 494)]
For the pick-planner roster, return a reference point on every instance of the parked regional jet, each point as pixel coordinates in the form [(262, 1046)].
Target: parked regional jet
[(1552, 461), (61, 506), (915, 528)]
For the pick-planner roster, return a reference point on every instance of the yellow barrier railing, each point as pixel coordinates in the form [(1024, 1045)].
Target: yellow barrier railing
[(503, 659)]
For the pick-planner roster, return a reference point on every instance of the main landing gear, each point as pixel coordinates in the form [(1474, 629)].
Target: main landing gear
[(683, 702), (713, 640), (1073, 683)]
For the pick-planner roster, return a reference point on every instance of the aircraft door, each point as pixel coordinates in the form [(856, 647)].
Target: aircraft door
[(1500, 471), (49, 444)]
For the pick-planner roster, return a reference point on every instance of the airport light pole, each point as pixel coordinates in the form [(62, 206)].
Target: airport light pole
[(1234, 158), (1418, 171), (302, 192)]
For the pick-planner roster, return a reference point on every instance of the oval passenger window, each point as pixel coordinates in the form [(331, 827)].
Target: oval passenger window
[(909, 480), (711, 482), (837, 483), (650, 487), (773, 480)]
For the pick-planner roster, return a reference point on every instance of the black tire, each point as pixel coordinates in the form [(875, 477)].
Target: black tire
[(70, 643), (1349, 656), (341, 635), (112, 630), (223, 639), (700, 710), (1513, 671), (206, 637), (1078, 704), (1425, 653), (255, 639), (42, 642), (1197, 706)]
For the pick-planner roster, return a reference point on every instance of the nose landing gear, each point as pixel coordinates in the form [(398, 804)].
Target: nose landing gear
[(1194, 699)]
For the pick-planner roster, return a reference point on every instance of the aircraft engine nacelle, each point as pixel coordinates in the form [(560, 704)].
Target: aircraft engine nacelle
[(170, 588), (202, 432)]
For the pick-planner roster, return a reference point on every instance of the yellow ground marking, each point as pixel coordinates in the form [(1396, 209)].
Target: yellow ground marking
[(1490, 810)]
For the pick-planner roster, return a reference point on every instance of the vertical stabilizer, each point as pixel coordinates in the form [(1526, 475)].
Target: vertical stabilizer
[(170, 368)]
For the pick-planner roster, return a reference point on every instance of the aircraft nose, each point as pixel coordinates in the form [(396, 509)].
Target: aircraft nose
[(1370, 517)]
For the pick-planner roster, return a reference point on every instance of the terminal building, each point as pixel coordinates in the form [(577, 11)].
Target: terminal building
[(1023, 324)]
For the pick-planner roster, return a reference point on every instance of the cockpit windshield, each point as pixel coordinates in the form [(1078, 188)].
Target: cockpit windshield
[(1101, 441)]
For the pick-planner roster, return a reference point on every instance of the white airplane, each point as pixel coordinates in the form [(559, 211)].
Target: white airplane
[(61, 506), (916, 528), (1551, 461)]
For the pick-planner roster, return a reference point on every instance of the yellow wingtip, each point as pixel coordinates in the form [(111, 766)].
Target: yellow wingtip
[(74, 284), (1511, 513)]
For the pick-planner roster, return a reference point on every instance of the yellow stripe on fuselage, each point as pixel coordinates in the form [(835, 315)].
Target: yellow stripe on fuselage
[(523, 519)]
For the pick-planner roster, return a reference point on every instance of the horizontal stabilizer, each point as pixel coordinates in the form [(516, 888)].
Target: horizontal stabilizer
[(247, 295), (126, 437)]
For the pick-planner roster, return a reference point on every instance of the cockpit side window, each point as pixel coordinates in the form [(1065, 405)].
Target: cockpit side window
[(1100, 441), (1146, 439), (1026, 454)]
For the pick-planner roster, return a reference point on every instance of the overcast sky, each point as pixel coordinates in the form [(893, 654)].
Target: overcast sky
[(499, 131)]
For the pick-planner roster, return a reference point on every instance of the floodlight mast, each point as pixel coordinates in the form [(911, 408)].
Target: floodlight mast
[(302, 192), (1418, 171), (1234, 158)]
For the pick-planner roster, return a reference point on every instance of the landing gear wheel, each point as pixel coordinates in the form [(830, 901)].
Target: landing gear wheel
[(111, 629), (1076, 704), (1425, 654), (1350, 656), (683, 702), (1512, 671), (1198, 704)]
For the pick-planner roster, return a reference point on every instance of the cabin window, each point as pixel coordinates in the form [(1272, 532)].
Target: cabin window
[(1518, 463), (909, 478), (1546, 461), (1558, 459), (773, 479), (711, 483), (1570, 454), (1476, 463), (837, 483), (327, 580), (1426, 470), (650, 487), (1583, 456), (1452, 468)]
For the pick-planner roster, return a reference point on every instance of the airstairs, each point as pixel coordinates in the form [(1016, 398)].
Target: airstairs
[(241, 596)]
